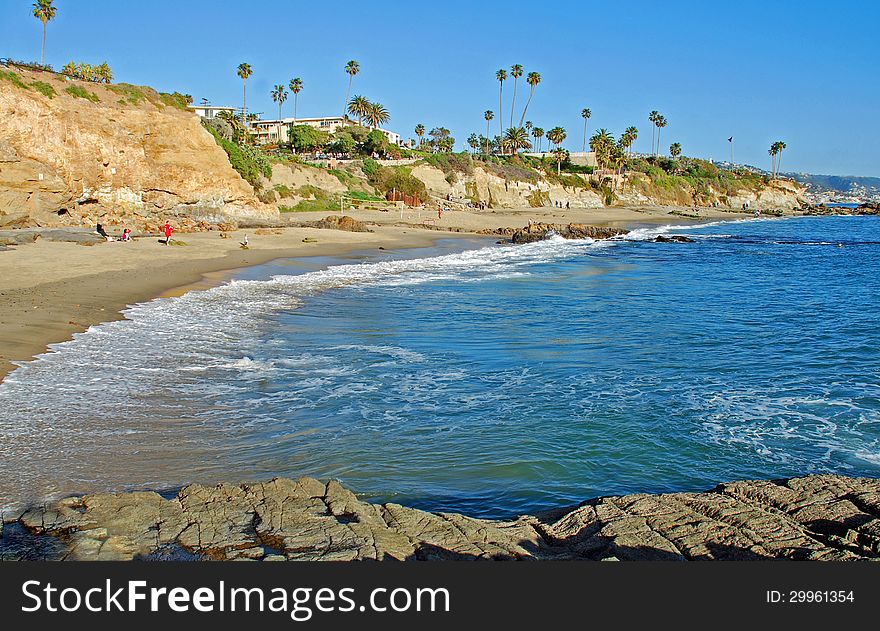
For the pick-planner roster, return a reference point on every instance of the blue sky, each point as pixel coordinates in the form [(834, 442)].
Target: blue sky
[(803, 72)]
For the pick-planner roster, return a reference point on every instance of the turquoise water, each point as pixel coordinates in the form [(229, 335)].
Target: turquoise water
[(494, 381)]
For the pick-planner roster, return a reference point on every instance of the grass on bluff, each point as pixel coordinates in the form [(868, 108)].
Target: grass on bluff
[(14, 79), (81, 93), (326, 204), (44, 88)]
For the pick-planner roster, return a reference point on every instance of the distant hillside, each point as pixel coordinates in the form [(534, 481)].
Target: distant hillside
[(845, 184)]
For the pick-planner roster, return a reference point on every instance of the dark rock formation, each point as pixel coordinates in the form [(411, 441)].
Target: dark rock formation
[(336, 222), (539, 231), (817, 517), (673, 238)]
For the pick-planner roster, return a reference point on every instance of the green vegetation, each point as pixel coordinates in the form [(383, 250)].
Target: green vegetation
[(45, 13), (87, 72), (81, 93), (306, 138), (14, 79), (307, 190), (450, 163), (131, 94), (250, 163), (177, 100), (282, 190), (326, 204), (44, 88)]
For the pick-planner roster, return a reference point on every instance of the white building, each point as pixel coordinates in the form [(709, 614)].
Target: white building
[(275, 131), (210, 111)]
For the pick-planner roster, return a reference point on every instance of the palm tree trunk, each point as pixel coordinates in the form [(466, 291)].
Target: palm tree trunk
[(500, 117), (779, 163), (43, 49), (652, 139), (526, 108), (584, 149), (513, 103), (487, 137), (347, 93), (244, 111)]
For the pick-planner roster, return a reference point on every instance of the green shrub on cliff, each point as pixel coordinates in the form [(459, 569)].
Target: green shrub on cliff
[(81, 93), (248, 161), (14, 79), (44, 88)]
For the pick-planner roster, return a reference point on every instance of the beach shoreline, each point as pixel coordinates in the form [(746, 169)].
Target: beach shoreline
[(50, 291)]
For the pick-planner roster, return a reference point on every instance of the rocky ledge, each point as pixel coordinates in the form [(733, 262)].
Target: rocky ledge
[(822, 517), (539, 231)]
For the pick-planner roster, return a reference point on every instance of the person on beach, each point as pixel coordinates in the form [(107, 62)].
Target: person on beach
[(167, 230), (439, 211), (126, 235), (100, 230)]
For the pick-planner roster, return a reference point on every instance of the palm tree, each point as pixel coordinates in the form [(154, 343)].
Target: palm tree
[(538, 133), (632, 135), (781, 146), (44, 12), (517, 138), (501, 75), (377, 115), (560, 154), (661, 123), (529, 125), (473, 142), (602, 143), (359, 106), (351, 69), (675, 149), (279, 95), (653, 117), (420, 131), (516, 71), (488, 115), (585, 113), (557, 136), (245, 71), (296, 86), (533, 79)]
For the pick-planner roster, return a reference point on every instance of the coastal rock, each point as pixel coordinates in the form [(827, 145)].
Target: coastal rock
[(539, 231), (71, 161), (673, 238), (336, 222), (820, 517)]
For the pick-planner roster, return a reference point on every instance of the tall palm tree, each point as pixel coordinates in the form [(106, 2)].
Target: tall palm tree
[(44, 12), (351, 69), (420, 131), (377, 115), (488, 115), (517, 138), (632, 134), (529, 125), (585, 114), (538, 133), (279, 95), (602, 143), (661, 123), (359, 106), (675, 149), (473, 143), (533, 79), (245, 71), (296, 86), (501, 75), (653, 117), (781, 146), (557, 136), (516, 71)]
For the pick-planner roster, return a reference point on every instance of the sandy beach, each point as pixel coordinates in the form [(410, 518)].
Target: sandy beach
[(51, 290)]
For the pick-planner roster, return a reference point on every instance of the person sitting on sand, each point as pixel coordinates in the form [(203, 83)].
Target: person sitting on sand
[(126, 235), (167, 231), (100, 230)]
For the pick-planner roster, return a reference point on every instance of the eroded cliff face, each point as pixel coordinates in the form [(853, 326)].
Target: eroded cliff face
[(639, 190), (68, 160)]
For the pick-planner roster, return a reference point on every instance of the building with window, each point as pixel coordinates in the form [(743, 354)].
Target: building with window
[(210, 111), (275, 131)]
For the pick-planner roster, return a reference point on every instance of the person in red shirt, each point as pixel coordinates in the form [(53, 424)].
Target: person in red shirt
[(168, 230)]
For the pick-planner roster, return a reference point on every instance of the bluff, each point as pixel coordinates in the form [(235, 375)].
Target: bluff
[(74, 153)]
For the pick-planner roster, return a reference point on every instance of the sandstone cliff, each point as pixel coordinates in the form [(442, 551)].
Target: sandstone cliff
[(73, 153), (829, 518)]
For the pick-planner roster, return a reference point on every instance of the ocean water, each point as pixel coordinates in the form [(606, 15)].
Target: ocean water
[(489, 379)]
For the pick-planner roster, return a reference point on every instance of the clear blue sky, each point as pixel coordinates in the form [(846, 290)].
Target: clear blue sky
[(804, 72)]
